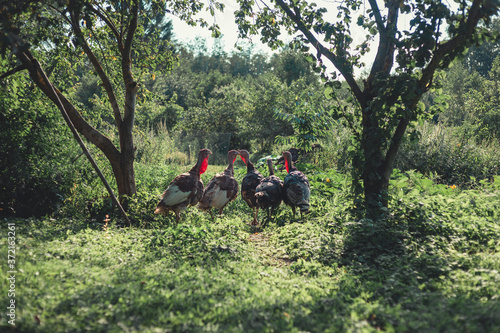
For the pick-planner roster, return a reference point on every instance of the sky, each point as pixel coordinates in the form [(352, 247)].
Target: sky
[(186, 34)]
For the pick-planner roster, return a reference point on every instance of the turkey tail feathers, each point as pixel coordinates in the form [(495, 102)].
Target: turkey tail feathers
[(304, 207)]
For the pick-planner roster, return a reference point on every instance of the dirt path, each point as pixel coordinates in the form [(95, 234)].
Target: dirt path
[(269, 254)]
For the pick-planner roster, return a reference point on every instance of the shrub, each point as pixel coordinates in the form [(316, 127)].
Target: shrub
[(455, 160), (155, 146), (39, 159)]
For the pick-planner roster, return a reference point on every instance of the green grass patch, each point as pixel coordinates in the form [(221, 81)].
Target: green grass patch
[(431, 266)]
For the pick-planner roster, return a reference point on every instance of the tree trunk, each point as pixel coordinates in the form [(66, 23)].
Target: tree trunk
[(123, 170), (122, 163), (124, 174), (376, 188), (374, 173), (379, 162)]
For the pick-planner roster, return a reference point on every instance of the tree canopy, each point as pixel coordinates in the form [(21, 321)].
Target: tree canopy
[(403, 69), (120, 42)]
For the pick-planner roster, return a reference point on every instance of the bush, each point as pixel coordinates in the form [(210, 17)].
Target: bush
[(39, 158), (155, 146), (455, 160)]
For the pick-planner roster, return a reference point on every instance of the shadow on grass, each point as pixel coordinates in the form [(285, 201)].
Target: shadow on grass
[(187, 279)]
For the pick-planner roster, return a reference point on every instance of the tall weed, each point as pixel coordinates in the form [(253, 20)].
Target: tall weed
[(443, 152), (155, 146)]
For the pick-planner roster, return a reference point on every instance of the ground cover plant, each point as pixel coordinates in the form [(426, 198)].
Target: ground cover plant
[(432, 265)]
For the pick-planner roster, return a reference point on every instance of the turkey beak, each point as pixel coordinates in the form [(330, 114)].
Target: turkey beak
[(239, 153), (236, 156)]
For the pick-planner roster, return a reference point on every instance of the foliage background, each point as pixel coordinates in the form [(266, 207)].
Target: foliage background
[(243, 100)]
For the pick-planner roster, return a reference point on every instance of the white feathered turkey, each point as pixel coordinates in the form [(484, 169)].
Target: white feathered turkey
[(222, 189), (186, 189)]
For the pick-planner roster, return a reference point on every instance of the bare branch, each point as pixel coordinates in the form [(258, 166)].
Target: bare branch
[(13, 71), (338, 62), (97, 66)]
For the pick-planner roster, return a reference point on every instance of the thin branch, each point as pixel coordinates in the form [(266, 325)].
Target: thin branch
[(428, 73), (13, 71), (97, 66), (450, 45), (336, 61), (59, 12), (110, 24), (94, 136)]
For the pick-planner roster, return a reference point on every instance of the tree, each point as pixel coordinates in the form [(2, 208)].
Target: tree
[(31, 131), (291, 65), (405, 62), (119, 41), (457, 81), (482, 103), (480, 58)]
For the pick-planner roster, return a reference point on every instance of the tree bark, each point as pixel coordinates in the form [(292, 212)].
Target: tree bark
[(375, 172)]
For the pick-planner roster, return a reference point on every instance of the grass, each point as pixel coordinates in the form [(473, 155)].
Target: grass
[(432, 266)]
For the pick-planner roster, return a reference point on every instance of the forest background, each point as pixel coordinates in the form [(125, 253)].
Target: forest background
[(242, 99)]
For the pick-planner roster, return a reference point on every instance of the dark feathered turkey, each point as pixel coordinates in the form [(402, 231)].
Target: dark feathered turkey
[(269, 193), (296, 187), (300, 153), (249, 184), (222, 189), (295, 152), (185, 190)]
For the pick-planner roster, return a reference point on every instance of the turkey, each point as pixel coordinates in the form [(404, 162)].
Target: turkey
[(249, 184), (299, 153), (294, 152), (222, 189), (269, 193), (296, 188), (186, 189)]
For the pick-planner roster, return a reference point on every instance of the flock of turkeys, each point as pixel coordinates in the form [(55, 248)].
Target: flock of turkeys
[(256, 190)]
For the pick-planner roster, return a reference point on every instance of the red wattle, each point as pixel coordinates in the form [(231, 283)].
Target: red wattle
[(287, 166), (204, 166)]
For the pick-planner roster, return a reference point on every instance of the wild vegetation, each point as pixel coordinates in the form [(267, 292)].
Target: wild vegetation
[(430, 263), (431, 266)]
